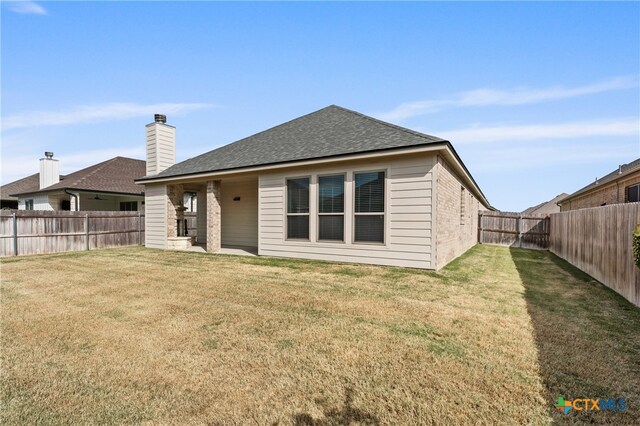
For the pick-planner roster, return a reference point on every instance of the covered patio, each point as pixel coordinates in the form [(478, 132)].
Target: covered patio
[(226, 220)]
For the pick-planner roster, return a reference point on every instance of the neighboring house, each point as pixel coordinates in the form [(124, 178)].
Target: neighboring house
[(547, 207), (106, 186), (27, 184), (620, 186), (331, 185)]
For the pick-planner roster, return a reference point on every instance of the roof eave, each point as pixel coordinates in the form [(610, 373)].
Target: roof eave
[(443, 145)]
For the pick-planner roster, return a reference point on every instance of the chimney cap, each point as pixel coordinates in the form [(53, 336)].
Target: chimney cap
[(48, 154), (160, 118)]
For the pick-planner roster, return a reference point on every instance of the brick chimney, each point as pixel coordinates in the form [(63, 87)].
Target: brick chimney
[(161, 145), (49, 170)]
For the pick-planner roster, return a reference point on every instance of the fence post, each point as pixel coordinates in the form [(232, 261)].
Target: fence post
[(481, 230), (139, 228), (15, 234), (519, 230), (86, 229)]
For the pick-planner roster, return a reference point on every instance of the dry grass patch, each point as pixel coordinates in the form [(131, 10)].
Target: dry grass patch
[(136, 335)]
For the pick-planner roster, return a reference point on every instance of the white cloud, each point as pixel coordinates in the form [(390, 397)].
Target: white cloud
[(94, 113), (492, 97), (533, 156), (26, 7), (527, 132)]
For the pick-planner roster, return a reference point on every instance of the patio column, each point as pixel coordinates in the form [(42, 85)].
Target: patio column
[(201, 214), (175, 194), (214, 217)]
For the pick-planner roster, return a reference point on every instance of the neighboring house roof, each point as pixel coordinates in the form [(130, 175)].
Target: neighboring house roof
[(329, 132), (116, 175), (619, 173), (547, 207), (27, 184)]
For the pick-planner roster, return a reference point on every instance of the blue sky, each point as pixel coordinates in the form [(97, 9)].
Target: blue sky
[(537, 98)]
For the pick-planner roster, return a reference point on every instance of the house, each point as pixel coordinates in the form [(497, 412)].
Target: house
[(547, 207), (331, 185), (27, 184), (106, 186), (620, 186)]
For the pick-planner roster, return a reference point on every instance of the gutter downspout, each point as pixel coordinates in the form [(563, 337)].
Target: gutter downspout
[(74, 196)]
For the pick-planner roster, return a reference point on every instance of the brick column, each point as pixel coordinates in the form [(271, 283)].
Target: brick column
[(175, 194), (214, 218)]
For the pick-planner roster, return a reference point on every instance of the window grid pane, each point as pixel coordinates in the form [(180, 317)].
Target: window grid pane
[(298, 227), (331, 227), (369, 228), (369, 197), (633, 194), (331, 194), (298, 195)]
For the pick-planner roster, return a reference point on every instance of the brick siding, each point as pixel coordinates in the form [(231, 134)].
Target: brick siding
[(456, 216), (609, 193)]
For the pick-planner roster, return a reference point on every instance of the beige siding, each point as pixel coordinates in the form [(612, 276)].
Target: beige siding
[(456, 215), (40, 202), (408, 215), (240, 218), (155, 221), (161, 151)]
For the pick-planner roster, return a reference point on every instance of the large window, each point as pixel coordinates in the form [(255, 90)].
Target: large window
[(633, 193), (369, 207), (128, 206), (331, 208), (298, 208)]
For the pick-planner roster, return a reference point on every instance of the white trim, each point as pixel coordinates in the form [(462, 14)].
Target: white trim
[(385, 220), (317, 210), (286, 209), (435, 170)]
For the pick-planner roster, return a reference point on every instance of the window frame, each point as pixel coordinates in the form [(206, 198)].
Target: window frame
[(129, 204), (628, 190), (286, 208), (344, 208), (384, 213)]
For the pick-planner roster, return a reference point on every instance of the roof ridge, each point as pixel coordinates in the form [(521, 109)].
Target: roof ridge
[(98, 167), (393, 126)]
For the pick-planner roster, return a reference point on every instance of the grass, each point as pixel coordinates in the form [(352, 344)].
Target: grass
[(144, 336)]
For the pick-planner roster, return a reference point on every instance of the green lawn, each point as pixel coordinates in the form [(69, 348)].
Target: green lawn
[(135, 335)]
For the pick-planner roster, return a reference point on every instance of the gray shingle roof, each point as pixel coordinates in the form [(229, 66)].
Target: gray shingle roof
[(115, 175), (330, 132), (619, 172)]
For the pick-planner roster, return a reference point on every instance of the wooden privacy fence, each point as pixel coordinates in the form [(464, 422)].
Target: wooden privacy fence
[(37, 232), (599, 241), (514, 230)]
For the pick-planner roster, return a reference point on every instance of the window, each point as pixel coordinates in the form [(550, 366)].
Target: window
[(298, 208), (331, 208), (633, 193), (28, 204), (369, 207), (128, 206), (65, 205)]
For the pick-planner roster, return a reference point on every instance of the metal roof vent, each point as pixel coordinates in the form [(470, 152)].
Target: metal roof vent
[(597, 181), (48, 154), (160, 118), (620, 169)]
